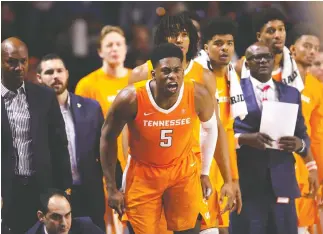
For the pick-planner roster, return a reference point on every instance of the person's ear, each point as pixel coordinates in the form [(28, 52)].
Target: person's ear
[(41, 216)]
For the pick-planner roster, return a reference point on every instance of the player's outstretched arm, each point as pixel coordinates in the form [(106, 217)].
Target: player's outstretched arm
[(138, 74), (222, 150), (123, 110), (208, 134)]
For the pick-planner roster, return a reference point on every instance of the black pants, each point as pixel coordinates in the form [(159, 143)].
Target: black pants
[(24, 204), (82, 205)]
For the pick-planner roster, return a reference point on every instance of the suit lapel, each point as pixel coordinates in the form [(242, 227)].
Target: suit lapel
[(281, 93), (34, 106), (250, 98), (77, 113), (5, 121)]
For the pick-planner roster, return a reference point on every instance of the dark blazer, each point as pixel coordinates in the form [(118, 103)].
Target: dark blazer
[(81, 225), (50, 156), (263, 171), (88, 121)]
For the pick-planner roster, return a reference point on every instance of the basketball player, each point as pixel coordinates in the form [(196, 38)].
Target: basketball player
[(163, 171)]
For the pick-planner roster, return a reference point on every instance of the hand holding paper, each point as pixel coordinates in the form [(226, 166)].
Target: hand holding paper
[(278, 120)]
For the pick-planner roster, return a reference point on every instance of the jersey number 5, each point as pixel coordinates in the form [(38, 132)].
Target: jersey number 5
[(166, 138)]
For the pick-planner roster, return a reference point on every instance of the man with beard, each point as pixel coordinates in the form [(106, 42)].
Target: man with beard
[(305, 45), (83, 120), (34, 154), (269, 24)]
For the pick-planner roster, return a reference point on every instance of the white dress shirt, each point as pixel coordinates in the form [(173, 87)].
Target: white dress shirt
[(70, 132), (271, 94)]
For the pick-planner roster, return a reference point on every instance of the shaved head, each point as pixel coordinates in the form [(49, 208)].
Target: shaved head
[(12, 43), (260, 61), (14, 62), (255, 46)]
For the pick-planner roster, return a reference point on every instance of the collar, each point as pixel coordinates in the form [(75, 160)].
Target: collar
[(45, 230), (67, 105), (257, 83), (5, 91)]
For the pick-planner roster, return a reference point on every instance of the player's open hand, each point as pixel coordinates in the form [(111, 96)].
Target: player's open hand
[(313, 183), (206, 186), (237, 204), (227, 191), (116, 201)]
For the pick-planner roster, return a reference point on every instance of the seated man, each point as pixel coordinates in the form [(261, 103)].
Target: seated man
[(55, 216)]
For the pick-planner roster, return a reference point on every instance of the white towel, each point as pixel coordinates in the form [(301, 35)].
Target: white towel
[(238, 107), (290, 73)]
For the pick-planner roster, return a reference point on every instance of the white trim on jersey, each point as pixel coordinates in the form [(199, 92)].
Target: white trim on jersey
[(152, 100), (188, 69)]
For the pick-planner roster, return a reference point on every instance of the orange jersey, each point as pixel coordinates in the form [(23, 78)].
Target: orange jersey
[(101, 87), (277, 74), (159, 137), (195, 71), (312, 108)]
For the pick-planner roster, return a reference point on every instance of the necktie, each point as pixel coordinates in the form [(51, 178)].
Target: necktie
[(264, 92)]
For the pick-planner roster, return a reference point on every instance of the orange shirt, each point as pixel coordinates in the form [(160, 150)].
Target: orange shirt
[(195, 71), (103, 88), (312, 108), (277, 74), (159, 137)]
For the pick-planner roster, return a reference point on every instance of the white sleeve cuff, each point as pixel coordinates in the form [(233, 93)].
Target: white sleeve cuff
[(236, 137)]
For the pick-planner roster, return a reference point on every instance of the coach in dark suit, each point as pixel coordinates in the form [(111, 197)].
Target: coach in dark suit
[(83, 120), (34, 154), (267, 176), (55, 217)]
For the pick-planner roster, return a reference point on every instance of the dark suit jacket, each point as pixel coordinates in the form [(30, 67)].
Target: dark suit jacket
[(88, 120), (264, 171), (50, 156), (81, 225)]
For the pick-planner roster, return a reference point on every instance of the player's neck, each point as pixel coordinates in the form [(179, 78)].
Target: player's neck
[(62, 98), (302, 70), (164, 102), (185, 63), (117, 71), (278, 61), (219, 70)]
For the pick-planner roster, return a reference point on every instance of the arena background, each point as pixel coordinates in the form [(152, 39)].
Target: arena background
[(71, 29)]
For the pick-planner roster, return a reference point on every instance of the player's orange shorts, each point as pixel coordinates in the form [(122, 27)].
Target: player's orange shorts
[(177, 189), (306, 208), (213, 201)]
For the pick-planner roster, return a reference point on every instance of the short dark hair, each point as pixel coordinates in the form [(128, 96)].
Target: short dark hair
[(299, 30), (47, 57), (264, 15), (165, 50), (219, 26), (172, 25), (48, 194)]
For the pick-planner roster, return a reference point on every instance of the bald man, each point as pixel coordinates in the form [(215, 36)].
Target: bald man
[(267, 176), (34, 154)]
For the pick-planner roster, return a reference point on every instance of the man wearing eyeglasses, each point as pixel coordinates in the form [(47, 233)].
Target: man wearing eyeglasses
[(267, 176)]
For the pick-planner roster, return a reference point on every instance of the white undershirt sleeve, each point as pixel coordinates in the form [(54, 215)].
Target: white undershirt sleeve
[(208, 140)]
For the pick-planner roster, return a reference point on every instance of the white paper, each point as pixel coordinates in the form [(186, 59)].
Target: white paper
[(278, 119)]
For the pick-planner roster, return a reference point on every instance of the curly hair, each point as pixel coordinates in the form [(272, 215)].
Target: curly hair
[(170, 26)]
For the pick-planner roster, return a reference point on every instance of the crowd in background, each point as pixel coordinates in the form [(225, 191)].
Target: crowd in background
[(71, 29)]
